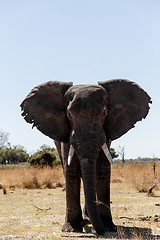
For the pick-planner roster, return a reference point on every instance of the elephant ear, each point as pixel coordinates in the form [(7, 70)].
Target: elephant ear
[(128, 103), (44, 108)]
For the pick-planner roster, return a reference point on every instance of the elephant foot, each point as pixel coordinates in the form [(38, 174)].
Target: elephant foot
[(85, 222), (111, 228), (67, 227)]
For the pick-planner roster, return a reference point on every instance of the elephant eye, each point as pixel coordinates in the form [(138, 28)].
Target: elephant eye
[(104, 112), (69, 115)]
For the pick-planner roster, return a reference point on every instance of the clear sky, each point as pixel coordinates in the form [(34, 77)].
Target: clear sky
[(83, 41)]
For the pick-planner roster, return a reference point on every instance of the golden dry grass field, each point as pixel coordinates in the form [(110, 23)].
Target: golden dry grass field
[(34, 206)]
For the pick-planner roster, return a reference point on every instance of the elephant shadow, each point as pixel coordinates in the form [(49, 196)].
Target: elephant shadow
[(122, 233), (132, 233)]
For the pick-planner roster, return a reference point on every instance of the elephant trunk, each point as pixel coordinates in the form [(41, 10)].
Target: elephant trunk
[(88, 168), (87, 148)]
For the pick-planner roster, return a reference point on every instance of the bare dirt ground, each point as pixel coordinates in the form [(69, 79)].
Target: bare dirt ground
[(40, 214)]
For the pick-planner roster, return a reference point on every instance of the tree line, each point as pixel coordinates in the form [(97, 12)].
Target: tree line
[(16, 154)]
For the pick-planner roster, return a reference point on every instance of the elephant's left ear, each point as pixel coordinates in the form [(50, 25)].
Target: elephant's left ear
[(128, 103)]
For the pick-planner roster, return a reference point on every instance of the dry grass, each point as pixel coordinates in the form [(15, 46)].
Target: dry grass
[(30, 213), (40, 213), (32, 178), (138, 176)]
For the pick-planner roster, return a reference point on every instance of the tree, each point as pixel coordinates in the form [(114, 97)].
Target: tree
[(46, 147), (113, 153), (13, 155), (46, 156), (3, 139), (121, 153)]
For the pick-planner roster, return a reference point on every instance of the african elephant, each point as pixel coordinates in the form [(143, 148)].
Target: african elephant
[(83, 120)]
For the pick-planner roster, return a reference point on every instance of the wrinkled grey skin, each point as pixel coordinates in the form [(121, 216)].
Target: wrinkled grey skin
[(86, 117)]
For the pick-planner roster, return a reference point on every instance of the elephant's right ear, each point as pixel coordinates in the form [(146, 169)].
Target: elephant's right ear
[(44, 107)]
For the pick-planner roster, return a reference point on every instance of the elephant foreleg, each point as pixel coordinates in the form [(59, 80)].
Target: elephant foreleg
[(73, 209), (103, 192), (86, 219)]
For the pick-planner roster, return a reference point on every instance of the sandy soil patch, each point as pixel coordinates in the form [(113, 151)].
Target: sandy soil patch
[(40, 214)]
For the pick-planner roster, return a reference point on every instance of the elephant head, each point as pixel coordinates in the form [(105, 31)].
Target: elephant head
[(87, 117)]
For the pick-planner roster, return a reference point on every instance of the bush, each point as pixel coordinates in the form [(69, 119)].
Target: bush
[(46, 156), (113, 153)]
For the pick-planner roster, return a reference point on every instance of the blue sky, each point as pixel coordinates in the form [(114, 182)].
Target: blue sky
[(81, 41)]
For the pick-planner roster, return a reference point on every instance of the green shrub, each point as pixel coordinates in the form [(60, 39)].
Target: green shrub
[(46, 156), (113, 153)]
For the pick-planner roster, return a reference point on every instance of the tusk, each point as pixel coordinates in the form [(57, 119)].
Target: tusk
[(107, 153), (70, 154)]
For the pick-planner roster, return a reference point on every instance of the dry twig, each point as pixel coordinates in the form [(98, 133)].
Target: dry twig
[(41, 209), (150, 190), (128, 218)]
